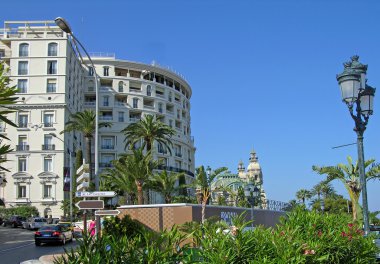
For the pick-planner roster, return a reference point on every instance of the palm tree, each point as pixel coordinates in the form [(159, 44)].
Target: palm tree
[(148, 130), (349, 176), (203, 184), (164, 184), (84, 122), (303, 195), (119, 180), (7, 98), (138, 168)]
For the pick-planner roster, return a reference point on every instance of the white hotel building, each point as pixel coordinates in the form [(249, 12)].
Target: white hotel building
[(54, 84)]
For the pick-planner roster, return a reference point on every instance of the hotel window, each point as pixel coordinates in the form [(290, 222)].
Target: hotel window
[(48, 164), (160, 108), (23, 50), (52, 49), (48, 119), (135, 102), (106, 100), (121, 116), (170, 123), (52, 67), (90, 71), (149, 90), (47, 191), (22, 86), (51, 86), (91, 86), (21, 164), (22, 68), (121, 87), (21, 191), (23, 120), (22, 143), (107, 143), (106, 71)]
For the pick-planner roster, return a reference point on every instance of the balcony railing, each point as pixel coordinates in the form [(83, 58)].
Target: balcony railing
[(48, 147), (48, 124), (105, 118), (105, 164), (134, 119), (90, 103), (108, 146), (174, 169), (22, 124), (178, 155), (22, 147)]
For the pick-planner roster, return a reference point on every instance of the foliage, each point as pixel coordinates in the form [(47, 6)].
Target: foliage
[(85, 122), (349, 176), (148, 130), (165, 184), (126, 226), (7, 98), (26, 211), (303, 195)]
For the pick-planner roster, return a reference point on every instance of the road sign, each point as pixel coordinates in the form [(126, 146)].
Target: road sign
[(83, 185), (107, 212), (95, 194), (90, 204)]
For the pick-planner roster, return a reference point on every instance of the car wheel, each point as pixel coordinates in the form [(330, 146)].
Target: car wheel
[(38, 243), (64, 240)]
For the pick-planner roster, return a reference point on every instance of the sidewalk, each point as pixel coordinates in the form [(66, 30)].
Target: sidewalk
[(47, 259)]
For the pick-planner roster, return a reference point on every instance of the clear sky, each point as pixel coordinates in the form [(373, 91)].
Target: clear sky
[(263, 73)]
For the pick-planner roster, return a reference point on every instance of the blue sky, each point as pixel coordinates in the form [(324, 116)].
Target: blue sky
[(262, 74)]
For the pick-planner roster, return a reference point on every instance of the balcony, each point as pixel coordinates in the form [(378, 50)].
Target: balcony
[(108, 118), (92, 103), (107, 146), (48, 124), (48, 147), (105, 165), (174, 169), (22, 125), (23, 147), (134, 119), (178, 155)]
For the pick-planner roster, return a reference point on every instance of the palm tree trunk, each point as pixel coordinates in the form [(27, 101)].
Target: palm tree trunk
[(203, 211), (88, 154), (140, 194), (168, 199)]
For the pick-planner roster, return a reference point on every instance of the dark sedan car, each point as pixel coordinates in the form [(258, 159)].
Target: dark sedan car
[(14, 221), (53, 234)]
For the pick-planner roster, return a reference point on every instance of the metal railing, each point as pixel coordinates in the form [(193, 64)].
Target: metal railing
[(22, 147), (108, 147), (174, 169), (48, 147), (275, 205)]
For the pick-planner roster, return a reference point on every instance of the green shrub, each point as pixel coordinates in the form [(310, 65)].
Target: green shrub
[(117, 227), (26, 211)]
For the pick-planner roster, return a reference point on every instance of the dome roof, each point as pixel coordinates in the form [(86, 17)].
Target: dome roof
[(253, 162)]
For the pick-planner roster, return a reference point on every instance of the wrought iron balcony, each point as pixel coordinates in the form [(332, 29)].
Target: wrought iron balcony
[(48, 147), (23, 147)]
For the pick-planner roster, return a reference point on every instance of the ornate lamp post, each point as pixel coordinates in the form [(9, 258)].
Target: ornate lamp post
[(251, 192), (356, 93)]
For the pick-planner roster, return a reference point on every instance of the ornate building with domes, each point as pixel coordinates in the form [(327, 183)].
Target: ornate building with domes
[(232, 182)]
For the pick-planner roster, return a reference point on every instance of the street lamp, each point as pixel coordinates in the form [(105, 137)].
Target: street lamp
[(71, 176), (355, 92), (62, 24), (251, 192), (208, 173)]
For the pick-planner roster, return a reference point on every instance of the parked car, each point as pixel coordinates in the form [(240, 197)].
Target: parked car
[(15, 221), (25, 224), (52, 234), (36, 222), (78, 229)]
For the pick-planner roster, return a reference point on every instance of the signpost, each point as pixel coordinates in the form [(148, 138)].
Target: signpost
[(96, 194), (107, 212), (90, 204)]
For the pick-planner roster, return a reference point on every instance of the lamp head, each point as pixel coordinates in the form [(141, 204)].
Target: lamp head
[(62, 24), (52, 134), (208, 170)]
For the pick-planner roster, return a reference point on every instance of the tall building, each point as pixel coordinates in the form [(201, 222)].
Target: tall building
[(53, 84)]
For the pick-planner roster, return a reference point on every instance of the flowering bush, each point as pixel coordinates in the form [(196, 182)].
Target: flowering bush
[(301, 237)]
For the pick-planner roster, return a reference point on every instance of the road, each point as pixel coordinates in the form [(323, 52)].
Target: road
[(17, 245)]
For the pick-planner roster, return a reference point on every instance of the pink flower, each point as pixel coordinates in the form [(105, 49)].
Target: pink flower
[(350, 225), (343, 234), (309, 252)]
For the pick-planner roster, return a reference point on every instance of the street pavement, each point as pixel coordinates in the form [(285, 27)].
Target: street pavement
[(17, 246)]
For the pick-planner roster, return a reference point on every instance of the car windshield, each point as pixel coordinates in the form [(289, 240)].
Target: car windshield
[(65, 224), (49, 228), (39, 220)]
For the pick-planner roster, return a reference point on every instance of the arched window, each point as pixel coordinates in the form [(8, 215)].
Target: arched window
[(121, 87), (149, 90), (52, 49), (23, 50)]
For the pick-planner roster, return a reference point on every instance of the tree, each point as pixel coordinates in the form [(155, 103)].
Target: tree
[(203, 185), (7, 98), (84, 122), (119, 180), (164, 183), (303, 195), (349, 176), (148, 130), (136, 168)]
